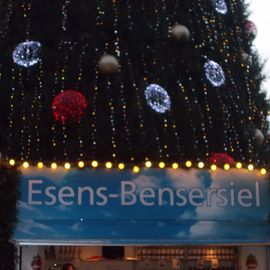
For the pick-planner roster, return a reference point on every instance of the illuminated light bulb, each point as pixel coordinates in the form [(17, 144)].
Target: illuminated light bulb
[(121, 166), (148, 164), (188, 164), (263, 171), (239, 165), (81, 164), (26, 165), (108, 165), (175, 166), (250, 167), (12, 162), (161, 165), (201, 165), (40, 165), (213, 167), (67, 166), (226, 167), (54, 166), (94, 164), (136, 169)]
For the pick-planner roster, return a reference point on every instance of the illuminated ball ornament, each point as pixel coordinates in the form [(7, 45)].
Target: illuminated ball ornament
[(251, 29), (180, 33), (26, 54), (221, 6), (214, 73), (157, 98), (108, 64), (69, 106)]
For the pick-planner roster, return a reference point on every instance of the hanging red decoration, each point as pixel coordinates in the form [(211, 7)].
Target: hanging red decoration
[(252, 29), (69, 106), (221, 158)]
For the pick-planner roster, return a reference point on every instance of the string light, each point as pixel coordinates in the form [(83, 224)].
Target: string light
[(239, 165), (213, 167), (94, 164), (263, 171), (136, 169), (121, 166), (67, 166), (81, 164), (188, 164), (148, 164), (26, 165), (250, 167), (175, 166), (161, 165), (227, 167), (40, 165), (201, 165), (54, 166), (12, 162), (108, 165)]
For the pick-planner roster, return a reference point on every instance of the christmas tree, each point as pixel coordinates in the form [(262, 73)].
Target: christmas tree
[(130, 81)]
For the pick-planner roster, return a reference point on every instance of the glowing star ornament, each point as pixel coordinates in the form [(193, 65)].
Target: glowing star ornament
[(214, 73), (69, 106), (157, 98), (26, 54), (221, 6)]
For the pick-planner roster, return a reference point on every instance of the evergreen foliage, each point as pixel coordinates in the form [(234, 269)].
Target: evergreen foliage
[(118, 124)]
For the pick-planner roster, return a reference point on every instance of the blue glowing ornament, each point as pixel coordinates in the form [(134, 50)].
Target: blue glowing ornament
[(221, 6), (26, 54), (157, 98), (214, 73)]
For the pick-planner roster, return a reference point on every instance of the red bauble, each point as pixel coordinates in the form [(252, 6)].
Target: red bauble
[(69, 106), (252, 29), (221, 158)]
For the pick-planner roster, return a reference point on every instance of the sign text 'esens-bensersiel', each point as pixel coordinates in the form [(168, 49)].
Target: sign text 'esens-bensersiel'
[(129, 194)]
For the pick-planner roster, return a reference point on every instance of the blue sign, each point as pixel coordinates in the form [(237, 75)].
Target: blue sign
[(151, 207)]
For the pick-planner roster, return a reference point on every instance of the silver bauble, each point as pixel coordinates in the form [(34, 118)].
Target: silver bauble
[(108, 64), (246, 58), (180, 32), (259, 137)]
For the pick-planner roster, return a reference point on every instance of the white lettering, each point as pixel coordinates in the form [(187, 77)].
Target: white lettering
[(147, 193), (183, 201), (66, 192), (221, 194), (31, 191), (81, 190), (102, 196), (161, 191), (257, 192), (50, 195), (244, 194), (127, 196), (197, 194)]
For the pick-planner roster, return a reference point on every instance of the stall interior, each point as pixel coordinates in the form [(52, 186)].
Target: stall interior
[(140, 257)]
